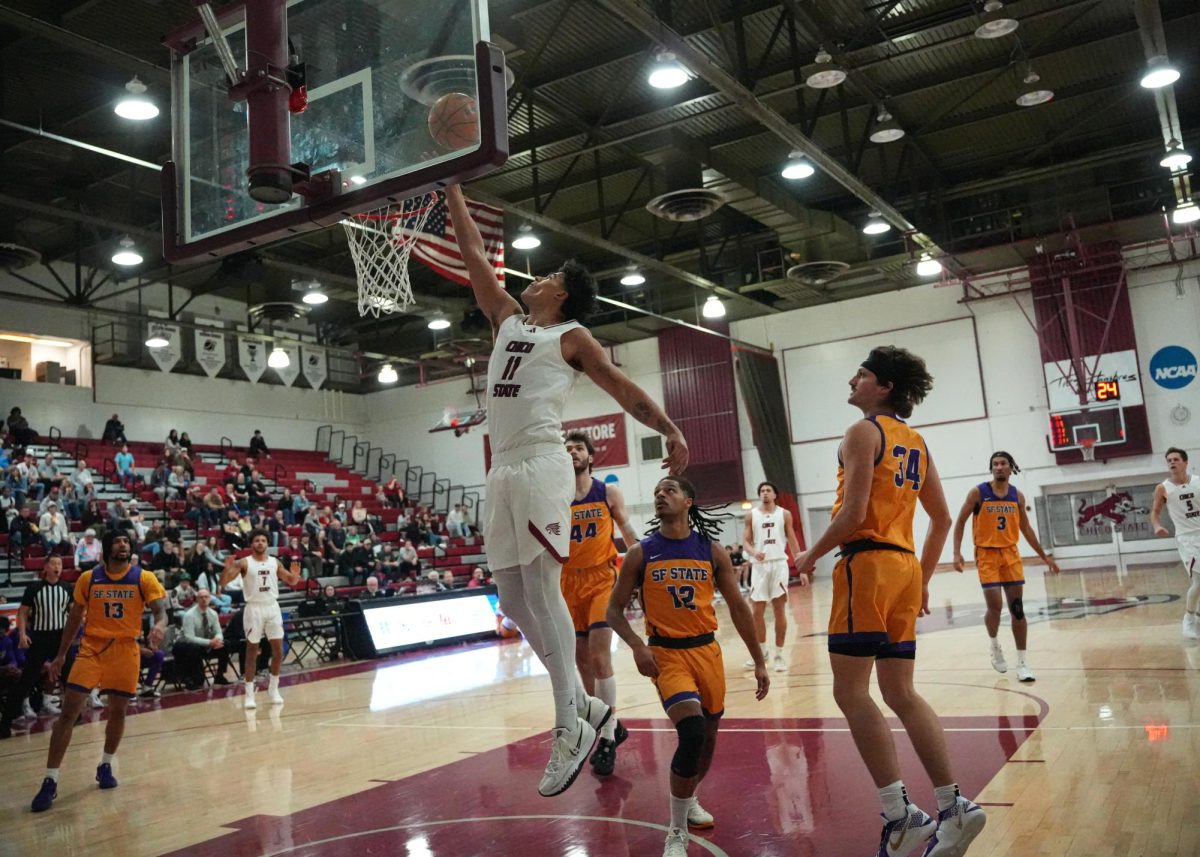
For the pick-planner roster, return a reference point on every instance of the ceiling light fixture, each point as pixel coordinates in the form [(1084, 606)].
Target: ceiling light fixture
[(828, 73), (875, 224), (526, 240), (996, 23), (632, 277), (52, 343), (1031, 93), (1177, 157), (797, 167), (157, 340), (1185, 212), (1159, 73), (887, 129), (438, 323), (713, 308), (666, 73), (928, 266), (136, 105), (358, 180), (387, 375), (315, 298), (278, 358), (126, 253), (15, 337)]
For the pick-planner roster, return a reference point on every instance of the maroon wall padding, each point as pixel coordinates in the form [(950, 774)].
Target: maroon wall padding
[(1103, 321), (698, 395)]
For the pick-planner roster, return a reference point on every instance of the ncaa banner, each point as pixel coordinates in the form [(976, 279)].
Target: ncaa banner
[(252, 357), (168, 355), (607, 434), (210, 352), (316, 371), (289, 373)]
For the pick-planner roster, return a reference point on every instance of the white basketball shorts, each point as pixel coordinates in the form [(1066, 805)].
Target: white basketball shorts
[(529, 494), (263, 619), (1189, 552), (769, 580)]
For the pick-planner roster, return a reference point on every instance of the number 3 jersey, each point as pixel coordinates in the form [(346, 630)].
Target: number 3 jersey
[(528, 384), (591, 531), (896, 482), (997, 519), (677, 586), (115, 605)]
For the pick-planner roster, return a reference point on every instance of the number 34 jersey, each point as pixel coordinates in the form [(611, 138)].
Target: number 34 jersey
[(677, 585), (896, 483), (114, 605), (997, 519)]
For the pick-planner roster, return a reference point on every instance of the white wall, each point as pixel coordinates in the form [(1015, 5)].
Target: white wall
[(1013, 385)]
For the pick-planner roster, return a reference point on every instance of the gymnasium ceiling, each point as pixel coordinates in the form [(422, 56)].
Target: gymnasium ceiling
[(980, 180)]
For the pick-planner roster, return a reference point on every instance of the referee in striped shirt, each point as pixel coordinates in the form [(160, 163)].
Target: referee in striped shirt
[(40, 623)]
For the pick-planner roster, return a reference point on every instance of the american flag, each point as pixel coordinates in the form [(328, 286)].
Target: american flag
[(437, 246)]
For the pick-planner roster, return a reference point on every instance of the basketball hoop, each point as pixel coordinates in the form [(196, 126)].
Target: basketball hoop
[(1088, 447), (380, 244)]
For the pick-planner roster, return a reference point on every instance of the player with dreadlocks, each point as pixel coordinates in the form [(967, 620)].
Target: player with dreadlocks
[(999, 510), (678, 565)]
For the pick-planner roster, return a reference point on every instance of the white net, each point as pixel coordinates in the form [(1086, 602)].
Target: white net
[(1088, 448), (380, 244)]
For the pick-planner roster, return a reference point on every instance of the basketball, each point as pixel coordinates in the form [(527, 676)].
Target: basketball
[(454, 121)]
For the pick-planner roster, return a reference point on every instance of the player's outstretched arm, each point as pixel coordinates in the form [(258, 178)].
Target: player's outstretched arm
[(960, 525), (616, 505), (860, 448), (581, 350), (1160, 500), (290, 576), (496, 303), (1031, 537), (627, 581), (739, 612), (233, 567)]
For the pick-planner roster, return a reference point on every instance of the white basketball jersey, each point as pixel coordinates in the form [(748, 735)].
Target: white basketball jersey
[(528, 384), (1183, 502), (261, 585), (769, 535)]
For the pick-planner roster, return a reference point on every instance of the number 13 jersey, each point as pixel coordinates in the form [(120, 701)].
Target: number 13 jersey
[(896, 483), (528, 384)]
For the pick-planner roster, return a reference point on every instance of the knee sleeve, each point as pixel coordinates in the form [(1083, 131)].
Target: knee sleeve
[(1017, 608), (686, 762)]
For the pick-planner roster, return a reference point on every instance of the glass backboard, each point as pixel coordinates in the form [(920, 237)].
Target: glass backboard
[(372, 71)]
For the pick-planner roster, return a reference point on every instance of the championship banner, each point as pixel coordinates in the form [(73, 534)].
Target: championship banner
[(316, 370), (607, 434), (168, 355), (289, 373), (210, 352), (252, 357)]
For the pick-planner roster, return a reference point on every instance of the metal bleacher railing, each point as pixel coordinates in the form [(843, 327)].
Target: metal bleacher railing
[(373, 463)]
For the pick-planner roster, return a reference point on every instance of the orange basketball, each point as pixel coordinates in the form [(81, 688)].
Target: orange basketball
[(454, 121)]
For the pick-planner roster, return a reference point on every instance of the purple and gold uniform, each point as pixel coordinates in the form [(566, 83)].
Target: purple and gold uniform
[(678, 582), (995, 529), (590, 571), (109, 657), (877, 581)]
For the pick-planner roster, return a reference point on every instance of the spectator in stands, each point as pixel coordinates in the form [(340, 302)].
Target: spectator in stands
[(184, 459), (70, 504), (374, 591), (329, 602), (171, 445), (312, 556), (434, 582), (212, 508), (284, 506), (337, 534), (85, 482), (394, 492), (53, 530), (18, 428), (91, 517), (359, 561), (276, 528), (18, 483), (137, 522), (158, 477), (185, 443), (53, 498), (22, 530), (199, 560), (230, 474), (239, 495), (477, 579), (152, 662), (236, 529), (153, 538), (258, 446), (183, 596), (387, 562), (114, 431), (177, 483), (456, 521), (410, 562), (8, 505), (201, 638), (358, 514), (429, 528), (166, 565), (5, 453), (259, 495), (88, 551), (448, 579), (300, 506), (339, 512), (125, 472), (48, 475)]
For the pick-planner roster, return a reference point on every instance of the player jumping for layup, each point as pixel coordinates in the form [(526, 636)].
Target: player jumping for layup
[(111, 596), (879, 589), (587, 582), (260, 574), (999, 510), (768, 528), (536, 360), (1180, 493), (679, 566)]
